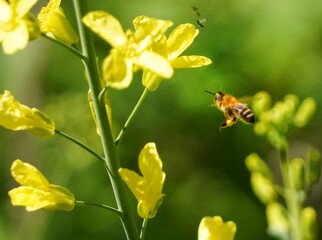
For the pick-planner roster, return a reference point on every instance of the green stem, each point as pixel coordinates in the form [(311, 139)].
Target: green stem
[(128, 121), (293, 202), (82, 145), (109, 147), (143, 228), (71, 49), (106, 207)]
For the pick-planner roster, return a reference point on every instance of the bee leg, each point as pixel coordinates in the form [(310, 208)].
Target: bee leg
[(228, 122)]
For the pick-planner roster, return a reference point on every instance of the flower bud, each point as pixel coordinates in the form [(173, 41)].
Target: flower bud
[(277, 221), (263, 188), (255, 164), (304, 112), (308, 223), (297, 168), (261, 102)]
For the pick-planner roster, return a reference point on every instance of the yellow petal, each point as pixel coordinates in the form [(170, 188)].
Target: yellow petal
[(180, 39), (106, 26), (23, 6), (213, 228), (5, 11), (155, 63), (61, 198), (16, 39), (134, 182), (116, 70), (32, 198), (27, 175), (150, 164), (192, 61), (53, 198)]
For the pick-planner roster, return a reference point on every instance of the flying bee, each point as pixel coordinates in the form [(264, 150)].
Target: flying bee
[(232, 109)]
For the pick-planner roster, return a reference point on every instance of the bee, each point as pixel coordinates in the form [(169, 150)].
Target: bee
[(232, 109)]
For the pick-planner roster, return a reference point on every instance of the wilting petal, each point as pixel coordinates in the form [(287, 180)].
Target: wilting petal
[(192, 61), (106, 26), (116, 70), (213, 228), (180, 39)]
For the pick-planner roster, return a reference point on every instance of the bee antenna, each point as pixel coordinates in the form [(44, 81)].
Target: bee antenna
[(209, 92)]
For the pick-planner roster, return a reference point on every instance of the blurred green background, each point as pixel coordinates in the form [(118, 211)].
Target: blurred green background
[(275, 46)]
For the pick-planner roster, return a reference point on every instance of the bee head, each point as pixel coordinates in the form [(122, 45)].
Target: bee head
[(218, 97)]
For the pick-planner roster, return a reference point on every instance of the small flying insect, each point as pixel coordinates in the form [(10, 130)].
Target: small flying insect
[(198, 20), (232, 109)]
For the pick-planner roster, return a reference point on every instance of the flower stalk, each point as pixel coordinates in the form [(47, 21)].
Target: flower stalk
[(109, 148), (130, 118), (292, 200)]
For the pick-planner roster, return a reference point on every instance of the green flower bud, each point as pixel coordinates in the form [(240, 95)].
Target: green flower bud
[(304, 112), (263, 188), (255, 164), (33, 27), (261, 102), (297, 168), (277, 221), (308, 223)]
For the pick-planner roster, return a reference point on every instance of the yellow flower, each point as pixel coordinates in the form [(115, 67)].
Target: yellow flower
[(15, 24), (16, 116), (179, 40), (148, 188), (36, 192), (213, 228), (130, 50), (54, 23)]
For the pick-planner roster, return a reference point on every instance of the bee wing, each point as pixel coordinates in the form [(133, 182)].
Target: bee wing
[(245, 99)]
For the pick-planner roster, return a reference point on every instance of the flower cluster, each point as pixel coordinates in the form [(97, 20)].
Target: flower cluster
[(299, 174), (146, 48), (276, 122)]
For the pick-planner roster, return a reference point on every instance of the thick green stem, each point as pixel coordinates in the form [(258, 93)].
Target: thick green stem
[(128, 121), (109, 148), (293, 202)]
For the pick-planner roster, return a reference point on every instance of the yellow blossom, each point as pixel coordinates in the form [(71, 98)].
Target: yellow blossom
[(36, 192), (54, 23), (15, 24), (16, 116), (179, 40), (213, 228), (148, 188), (130, 50)]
